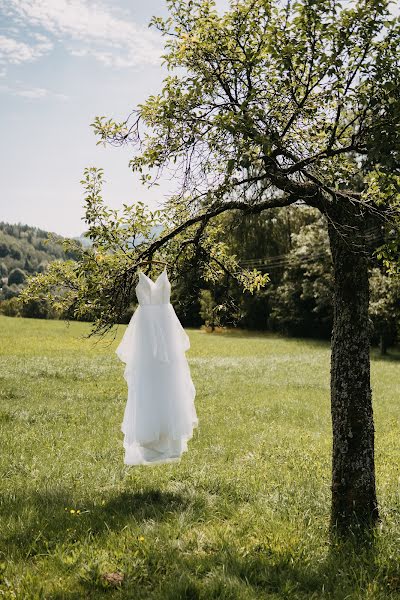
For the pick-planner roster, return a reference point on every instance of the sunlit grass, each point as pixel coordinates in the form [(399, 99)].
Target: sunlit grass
[(245, 513)]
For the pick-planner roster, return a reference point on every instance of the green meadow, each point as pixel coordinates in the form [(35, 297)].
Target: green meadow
[(243, 516)]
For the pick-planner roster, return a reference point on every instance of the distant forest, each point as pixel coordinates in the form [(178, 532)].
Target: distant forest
[(24, 251), (290, 244), (27, 248)]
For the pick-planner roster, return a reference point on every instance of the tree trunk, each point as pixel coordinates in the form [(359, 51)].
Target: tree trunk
[(353, 470)]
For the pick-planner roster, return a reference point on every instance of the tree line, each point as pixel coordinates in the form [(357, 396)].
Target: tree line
[(26, 251), (290, 245)]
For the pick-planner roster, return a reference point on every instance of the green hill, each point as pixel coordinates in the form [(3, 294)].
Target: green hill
[(27, 248), (24, 251)]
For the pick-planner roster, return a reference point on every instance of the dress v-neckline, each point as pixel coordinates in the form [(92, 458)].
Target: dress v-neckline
[(148, 278)]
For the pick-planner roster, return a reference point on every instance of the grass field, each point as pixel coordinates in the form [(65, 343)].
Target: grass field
[(243, 516)]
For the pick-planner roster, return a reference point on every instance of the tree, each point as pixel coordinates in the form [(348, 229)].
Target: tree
[(385, 308), (271, 104), (16, 276), (4, 249), (262, 241), (302, 300), (10, 291), (207, 309), (10, 307), (42, 266)]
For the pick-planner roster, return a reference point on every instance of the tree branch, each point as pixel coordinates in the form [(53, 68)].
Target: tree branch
[(213, 212)]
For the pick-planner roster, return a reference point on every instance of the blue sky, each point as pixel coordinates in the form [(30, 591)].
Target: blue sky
[(62, 62)]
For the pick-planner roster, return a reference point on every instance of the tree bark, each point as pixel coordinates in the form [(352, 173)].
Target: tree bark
[(353, 470)]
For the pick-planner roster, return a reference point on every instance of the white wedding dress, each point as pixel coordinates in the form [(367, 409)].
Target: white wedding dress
[(160, 414)]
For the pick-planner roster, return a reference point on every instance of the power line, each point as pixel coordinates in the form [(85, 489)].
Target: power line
[(283, 260), (370, 235)]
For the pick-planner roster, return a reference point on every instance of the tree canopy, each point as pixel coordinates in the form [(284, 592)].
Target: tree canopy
[(269, 104)]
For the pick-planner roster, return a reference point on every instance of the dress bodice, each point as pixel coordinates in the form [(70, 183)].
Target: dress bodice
[(153, 292)]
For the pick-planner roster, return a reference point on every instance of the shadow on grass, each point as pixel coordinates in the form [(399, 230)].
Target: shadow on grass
[(224, 571), (349, 571), (47, 518), (392, 356)]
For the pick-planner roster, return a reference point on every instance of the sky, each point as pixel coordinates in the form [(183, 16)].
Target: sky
[(62, 62)]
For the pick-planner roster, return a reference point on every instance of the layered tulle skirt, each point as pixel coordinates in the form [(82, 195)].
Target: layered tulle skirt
[(160, 413)]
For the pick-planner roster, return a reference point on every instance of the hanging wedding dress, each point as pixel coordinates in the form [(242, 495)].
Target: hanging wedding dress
[(160, 414)]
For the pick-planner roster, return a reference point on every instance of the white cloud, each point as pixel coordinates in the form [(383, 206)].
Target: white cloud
[(33, 93), (16, 52), (88, 28), (110, 58)]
